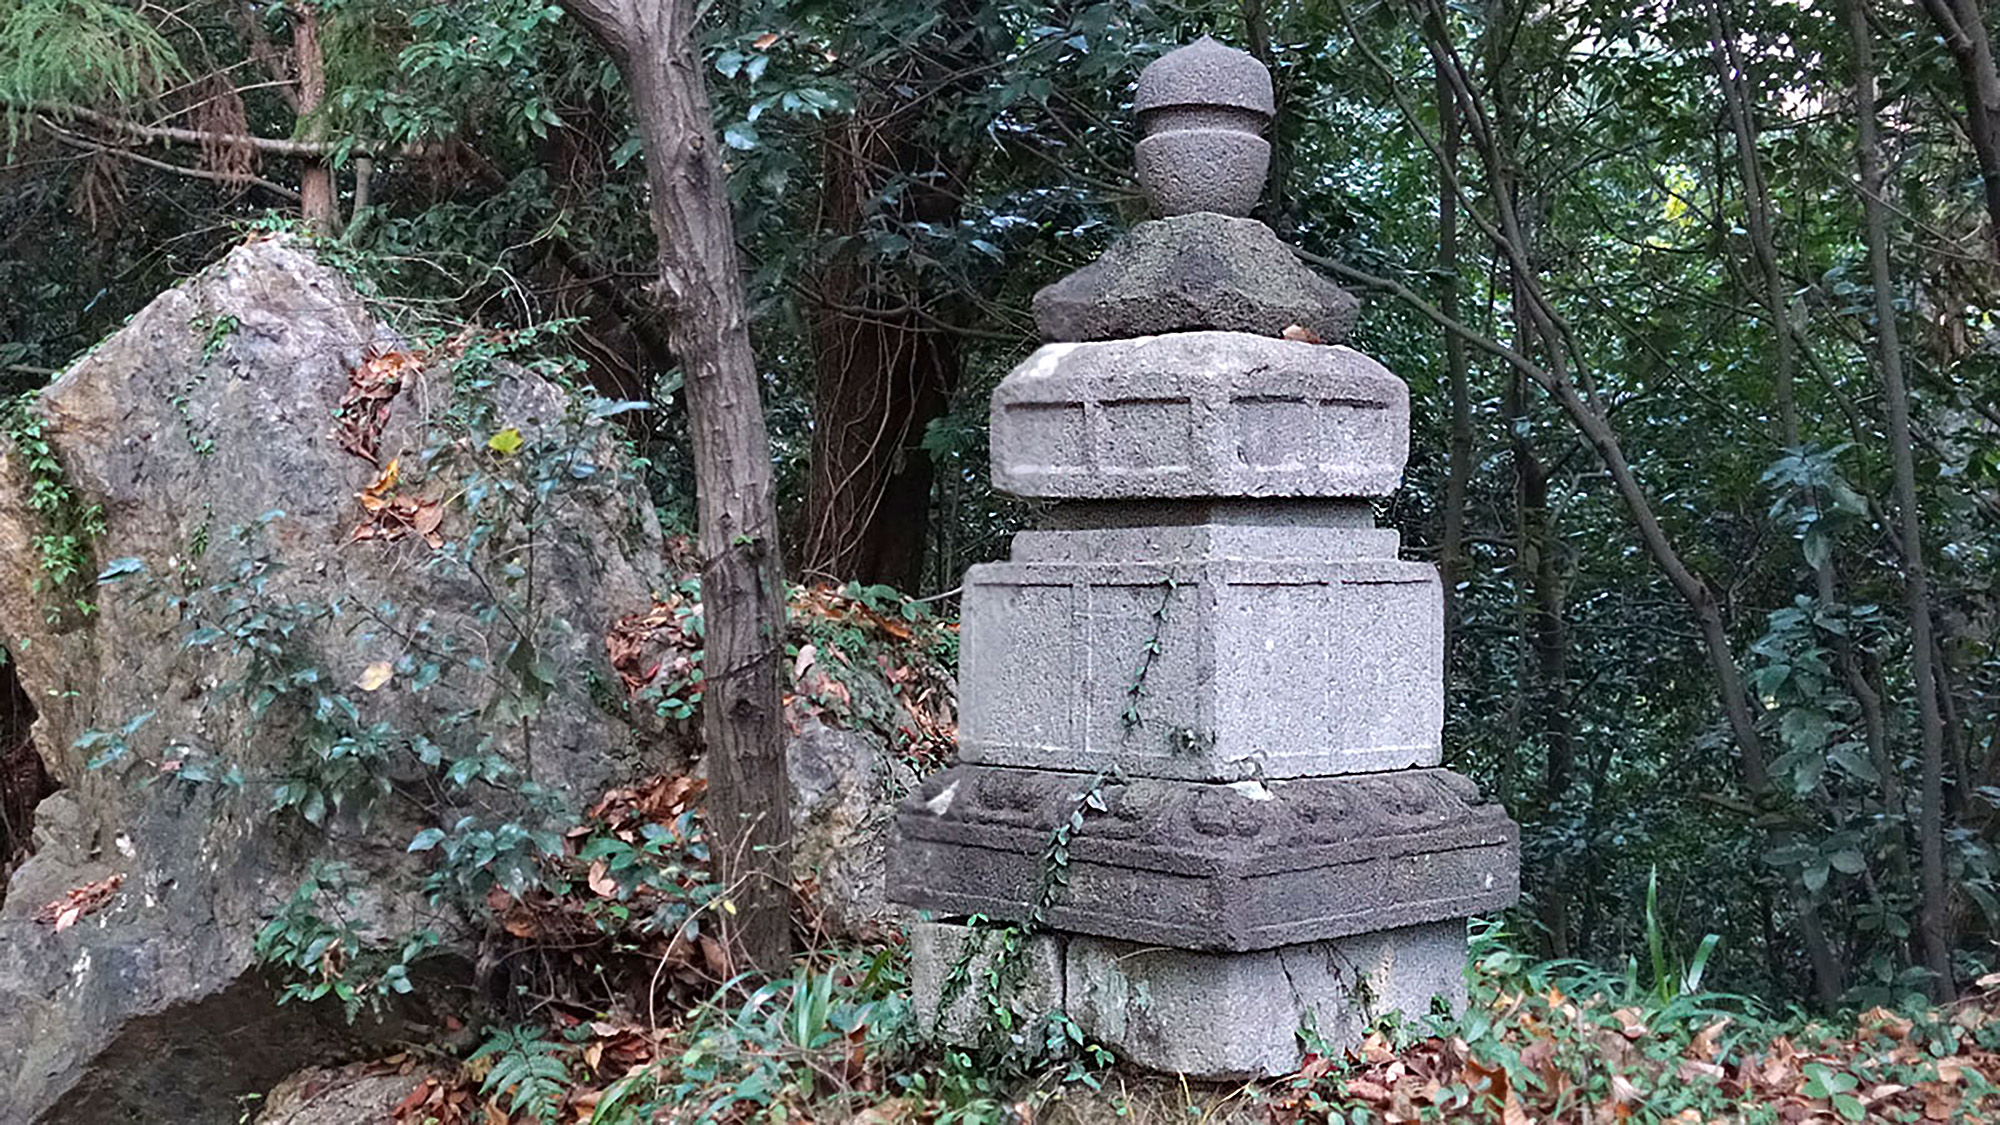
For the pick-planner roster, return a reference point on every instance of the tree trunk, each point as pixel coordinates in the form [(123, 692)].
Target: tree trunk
[(1963, 27), (1757, 213), (701, 286), (886, 363), (317, 202), (1829, 973), (1931, 915), (1547, 639), (1458, 468)]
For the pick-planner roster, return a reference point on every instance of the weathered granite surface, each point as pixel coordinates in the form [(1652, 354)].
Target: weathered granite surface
[(1199, 414), (1210, 1016), (1204, 109), (1193, 272), (1207, 666), (153, 1007), (1223, 1016), (1227, 868), (1213, 669)]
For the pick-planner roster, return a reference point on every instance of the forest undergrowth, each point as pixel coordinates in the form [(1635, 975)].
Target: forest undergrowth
[(641, 1023), (1561, 1041)]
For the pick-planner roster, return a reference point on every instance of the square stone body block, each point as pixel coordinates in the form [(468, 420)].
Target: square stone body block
[(1199, 414), (1214, 1016), (1198, 866), (1179, 652)]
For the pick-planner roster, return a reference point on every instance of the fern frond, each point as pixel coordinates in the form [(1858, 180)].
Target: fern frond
[(80, 52)]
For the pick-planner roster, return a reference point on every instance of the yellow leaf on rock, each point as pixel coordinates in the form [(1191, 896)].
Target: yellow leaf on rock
[(375, 676), (505, 442)]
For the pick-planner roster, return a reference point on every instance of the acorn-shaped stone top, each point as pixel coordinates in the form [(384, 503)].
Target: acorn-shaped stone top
[(1203, 109)]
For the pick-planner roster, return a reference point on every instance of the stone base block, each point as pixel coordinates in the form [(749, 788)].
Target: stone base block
[(1214, 1016), (971, 966), (1243, 1015), (1226, 868)]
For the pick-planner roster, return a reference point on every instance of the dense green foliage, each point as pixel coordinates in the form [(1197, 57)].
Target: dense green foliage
[(495, 152)]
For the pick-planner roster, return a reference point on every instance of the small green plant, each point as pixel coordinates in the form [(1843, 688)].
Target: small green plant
[(527, 1068), (1006, 1048), (1673, 975), (216, 331), (329, 955)]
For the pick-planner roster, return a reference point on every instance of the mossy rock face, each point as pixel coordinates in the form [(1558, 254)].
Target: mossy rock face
[(214, 410)]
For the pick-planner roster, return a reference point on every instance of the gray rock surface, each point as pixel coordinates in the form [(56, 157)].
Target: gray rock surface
[(1229, 868), (1205, 73), (1194, 415), (1241, 1015), (845, 785), (336, 1096), (1191, 272), (212, 407)]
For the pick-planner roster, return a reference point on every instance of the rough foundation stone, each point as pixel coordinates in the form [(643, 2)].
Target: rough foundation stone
[(939, 962), (1241, 1015)]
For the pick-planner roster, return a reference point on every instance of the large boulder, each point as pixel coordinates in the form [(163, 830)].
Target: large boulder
[(288, 660), (845, 784)]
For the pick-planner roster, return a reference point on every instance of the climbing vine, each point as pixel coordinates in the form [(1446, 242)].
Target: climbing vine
[(1149, 653), (64, 545), (1007, 947)]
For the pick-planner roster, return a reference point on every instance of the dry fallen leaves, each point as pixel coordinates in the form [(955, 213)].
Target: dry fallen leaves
[(1563, 1059), (388, 516), (64, 912), (364, 408)]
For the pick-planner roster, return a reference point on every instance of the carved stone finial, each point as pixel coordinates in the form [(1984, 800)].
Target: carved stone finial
[(1203, 109)]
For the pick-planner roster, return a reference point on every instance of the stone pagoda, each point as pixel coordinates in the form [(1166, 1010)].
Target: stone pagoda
[(1201, 707)]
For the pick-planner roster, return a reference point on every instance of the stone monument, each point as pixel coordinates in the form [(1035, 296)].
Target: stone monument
[(1201, 707)]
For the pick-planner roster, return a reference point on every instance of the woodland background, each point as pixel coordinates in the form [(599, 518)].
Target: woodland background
[(1693, 299)]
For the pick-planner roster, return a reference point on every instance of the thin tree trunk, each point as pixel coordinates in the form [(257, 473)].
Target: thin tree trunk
[(652, 42), (1757, 213), (1829, 974), (1458, 468), (1548, 642), (1962, 25), (1931, 915), (1579, 405), (1257, 37), (318, 204)]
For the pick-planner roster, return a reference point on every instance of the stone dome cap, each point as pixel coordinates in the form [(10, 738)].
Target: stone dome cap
[(1205, 73)]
